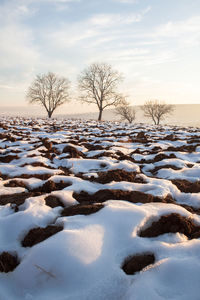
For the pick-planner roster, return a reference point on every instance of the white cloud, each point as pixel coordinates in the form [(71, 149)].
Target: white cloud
[(127, 1), (175, 29), (106, 20)]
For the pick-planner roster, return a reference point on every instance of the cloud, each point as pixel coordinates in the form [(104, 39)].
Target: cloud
[(127, 1), (106, 20), (184, 33)]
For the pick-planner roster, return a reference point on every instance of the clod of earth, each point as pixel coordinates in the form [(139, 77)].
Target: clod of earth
[(137, 263), (131, 196), (8, 262), (118, 175), (50, 186), (187, 187), (156, 169), (17, 199), (172, 223), (15, 183), (81, 209), (37, 235), (53, 201), (73, 152), (8, 158)]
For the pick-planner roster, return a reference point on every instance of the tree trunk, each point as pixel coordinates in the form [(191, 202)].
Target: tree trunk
[(100, 114), (50, 114)]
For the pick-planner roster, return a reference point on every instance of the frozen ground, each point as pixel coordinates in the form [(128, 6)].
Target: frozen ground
[(98, 211)]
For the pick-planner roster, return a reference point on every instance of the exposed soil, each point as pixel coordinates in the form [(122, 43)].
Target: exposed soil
[(39, 176), (118, 175), (187, 187), (17, 198), (37, 235), (162, 156), (53, 201), (109, 194), (36, 164), (73, 152), (137, 263), (8, 262), (190, 148), (50, 186), (81, 209), (15, 183), (7, 158), (156, 169), (191, 209), (171, 224)]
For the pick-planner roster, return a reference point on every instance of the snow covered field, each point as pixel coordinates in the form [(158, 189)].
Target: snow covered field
[(97, 211)]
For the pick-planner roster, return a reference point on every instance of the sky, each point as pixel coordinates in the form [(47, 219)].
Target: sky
[(155, 44)]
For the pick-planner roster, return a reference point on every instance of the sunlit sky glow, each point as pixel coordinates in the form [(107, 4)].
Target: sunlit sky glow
[(154, 43)]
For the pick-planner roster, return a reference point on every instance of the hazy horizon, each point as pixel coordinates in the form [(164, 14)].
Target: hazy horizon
[(183, 115), (154, 44)]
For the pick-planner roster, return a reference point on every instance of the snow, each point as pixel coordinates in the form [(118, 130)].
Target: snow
[(84, 260)]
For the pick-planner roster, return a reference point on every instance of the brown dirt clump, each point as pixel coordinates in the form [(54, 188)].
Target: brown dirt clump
[(171, 224), (50, 186), (137, 263), (92, 147), (118, 175), (39, 176), (36, 164), (17, 199), (8, 158), (53, 201), (104, 154), (47, 144), (81, 209), (190, 148), (156, 169), (8, 262), (15, 183), (162, 156), (73, 152), (191, 209), (131, 196), (187, 187), (37, 235)]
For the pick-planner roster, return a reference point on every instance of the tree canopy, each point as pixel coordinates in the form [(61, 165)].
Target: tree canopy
[(98, 84), (49, 90)]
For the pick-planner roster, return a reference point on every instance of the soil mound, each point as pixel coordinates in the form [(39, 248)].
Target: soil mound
[(187, 187), (17, 199), (37, 235), (8, 262), (118, 175), (137, 263), (156, 169), (50, 186), (15, 183), (6, 159), (53, 201), (131, 196), (73, 152), (171, 224), (81, 209)]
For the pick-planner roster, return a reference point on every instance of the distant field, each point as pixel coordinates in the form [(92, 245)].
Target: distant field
[(184, 114)]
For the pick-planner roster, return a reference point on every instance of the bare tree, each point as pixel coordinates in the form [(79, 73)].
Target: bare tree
[(98, 84), (125, 111), (50, 91), (156, 110)]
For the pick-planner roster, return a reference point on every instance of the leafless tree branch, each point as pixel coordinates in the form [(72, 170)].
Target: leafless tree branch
[(156, 110), (49, 90), (98, 84), (125, 111)]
